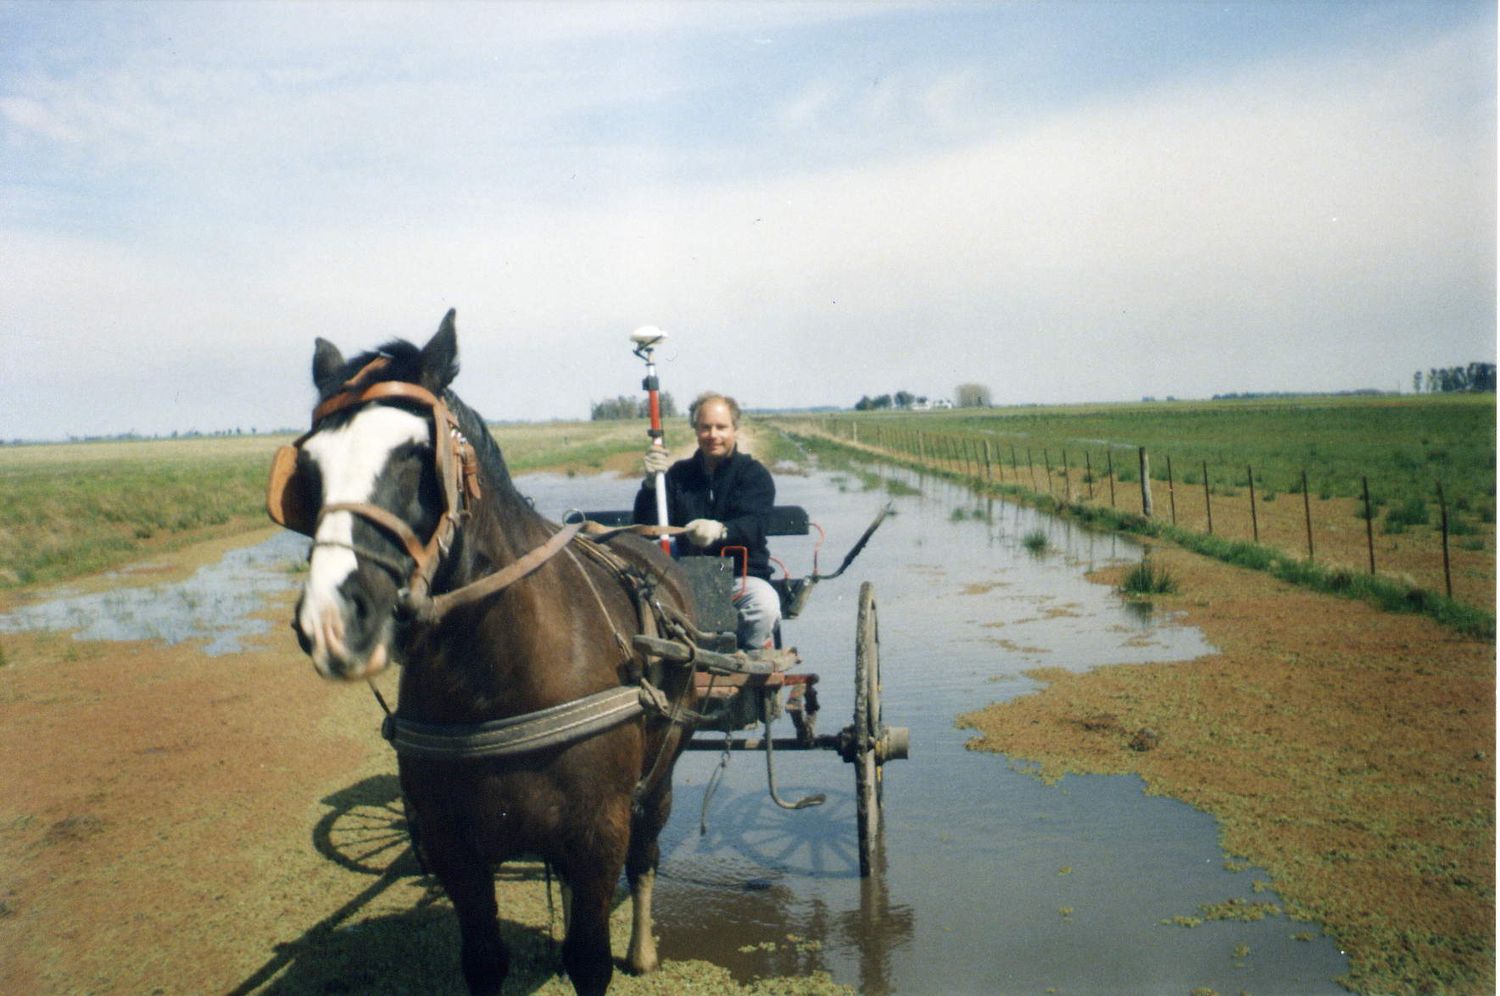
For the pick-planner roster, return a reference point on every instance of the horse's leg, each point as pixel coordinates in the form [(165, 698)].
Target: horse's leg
[(586, 954), (470, 885), (640, 870)]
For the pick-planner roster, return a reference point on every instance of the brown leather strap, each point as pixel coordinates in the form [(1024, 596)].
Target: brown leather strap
[(385, 520), (431, 610), (375, 392)]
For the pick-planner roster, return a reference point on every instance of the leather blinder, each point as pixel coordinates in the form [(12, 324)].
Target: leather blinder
[(288, 501)]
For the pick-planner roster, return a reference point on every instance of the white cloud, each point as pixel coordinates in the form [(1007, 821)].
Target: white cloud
[(1179, 241)]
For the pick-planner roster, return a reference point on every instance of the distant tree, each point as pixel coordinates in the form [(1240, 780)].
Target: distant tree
[(881, 401), (1447, 380), (863, 404), (628, 407), (971, 396), (904, 399), (1416, 382)]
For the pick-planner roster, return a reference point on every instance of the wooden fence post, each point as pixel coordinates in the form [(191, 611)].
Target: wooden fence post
[(1088, 473), (1047, 458), (1171, 490), (1030, 470), (1254, 523), (1443, 518), (1145, 483), (1208, 504), (1369, 522), (1067, 479), (1109, 461), (1307, 513)]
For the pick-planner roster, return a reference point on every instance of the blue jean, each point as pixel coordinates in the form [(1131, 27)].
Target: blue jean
[(759, 609)]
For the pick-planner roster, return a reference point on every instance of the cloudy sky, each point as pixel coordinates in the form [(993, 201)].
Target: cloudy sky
[(1065, 201)]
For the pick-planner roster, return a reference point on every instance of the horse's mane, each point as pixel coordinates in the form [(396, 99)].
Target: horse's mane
[(404, 363)]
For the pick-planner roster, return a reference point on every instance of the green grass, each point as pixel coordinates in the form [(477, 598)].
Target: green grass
[(71, 509), (1401, 444), (1390, 594), (1145, 579)]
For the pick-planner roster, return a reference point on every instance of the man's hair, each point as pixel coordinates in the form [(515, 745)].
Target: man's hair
[(705, 398)]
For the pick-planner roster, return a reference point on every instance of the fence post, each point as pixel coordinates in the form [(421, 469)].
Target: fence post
[(1088, 473), (1171, 490), (1030, 470), (1369, 522), (989, 473), (1208, 504), (1109, 461), (1307, 513), (1254, 523), (1443, 518), (1145, 484), (1047, 458), (1067, 479)]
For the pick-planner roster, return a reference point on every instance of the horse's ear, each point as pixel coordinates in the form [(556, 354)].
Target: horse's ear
[(327, 364), (440, 356)]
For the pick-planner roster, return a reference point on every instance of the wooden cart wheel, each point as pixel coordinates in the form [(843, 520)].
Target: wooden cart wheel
[(867, 727)]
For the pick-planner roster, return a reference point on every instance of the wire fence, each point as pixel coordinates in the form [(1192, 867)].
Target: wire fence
[(1409, 546)]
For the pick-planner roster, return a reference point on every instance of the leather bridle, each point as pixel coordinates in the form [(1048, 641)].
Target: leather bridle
[(457, 470)]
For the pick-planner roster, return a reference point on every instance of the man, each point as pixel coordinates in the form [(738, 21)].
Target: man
[(723, 498)]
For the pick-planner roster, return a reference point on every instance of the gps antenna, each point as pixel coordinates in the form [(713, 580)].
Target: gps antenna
[(646, 339)]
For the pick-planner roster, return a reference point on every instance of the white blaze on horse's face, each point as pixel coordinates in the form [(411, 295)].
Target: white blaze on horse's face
[(350, 459)]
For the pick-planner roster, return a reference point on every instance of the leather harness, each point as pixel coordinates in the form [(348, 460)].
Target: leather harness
[(457, 469)]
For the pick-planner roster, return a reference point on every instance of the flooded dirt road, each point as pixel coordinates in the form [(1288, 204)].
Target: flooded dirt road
[(992, 881)]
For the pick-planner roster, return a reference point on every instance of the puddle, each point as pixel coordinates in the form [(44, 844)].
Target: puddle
[(216, 605), (993, 882)]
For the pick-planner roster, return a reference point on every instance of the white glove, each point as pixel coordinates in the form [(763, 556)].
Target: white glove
[(705, 532), (656, 461)]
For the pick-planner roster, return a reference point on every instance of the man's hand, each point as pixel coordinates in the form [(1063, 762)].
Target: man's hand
[(705, 532), (656, 461)]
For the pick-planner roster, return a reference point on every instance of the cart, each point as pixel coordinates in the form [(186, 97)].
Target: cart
[(741, 694)]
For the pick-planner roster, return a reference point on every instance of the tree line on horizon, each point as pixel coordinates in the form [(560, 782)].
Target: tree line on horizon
[(1476, 377), (964, 396), (629, 407)]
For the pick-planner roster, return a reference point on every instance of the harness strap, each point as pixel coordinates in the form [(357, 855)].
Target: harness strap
[(536, 731), (385, 520), (428, 609)]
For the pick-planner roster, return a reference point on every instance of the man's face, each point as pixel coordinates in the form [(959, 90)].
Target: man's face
[(716, 433)]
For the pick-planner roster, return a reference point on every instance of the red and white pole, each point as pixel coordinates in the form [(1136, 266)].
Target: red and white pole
[(646, 339)]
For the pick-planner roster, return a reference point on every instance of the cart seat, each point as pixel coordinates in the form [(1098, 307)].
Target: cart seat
[(784, 520)]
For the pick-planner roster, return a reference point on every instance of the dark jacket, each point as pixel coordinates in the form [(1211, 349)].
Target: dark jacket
[(739, 494)]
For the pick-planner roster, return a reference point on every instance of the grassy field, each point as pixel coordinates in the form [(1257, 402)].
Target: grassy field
[(71, 509), (1401, 444), (1085, 459)]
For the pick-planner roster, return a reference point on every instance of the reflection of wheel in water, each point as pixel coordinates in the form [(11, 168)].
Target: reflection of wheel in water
[(868, 773), (750, 834), (367, 830)]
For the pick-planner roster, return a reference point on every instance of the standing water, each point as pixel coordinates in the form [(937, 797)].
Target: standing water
[(989, 881), (992, 881)]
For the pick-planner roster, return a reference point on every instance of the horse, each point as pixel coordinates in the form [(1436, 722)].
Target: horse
[(506, 625)]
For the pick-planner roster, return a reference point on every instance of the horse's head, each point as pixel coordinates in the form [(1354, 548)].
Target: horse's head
[(378, 484)]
